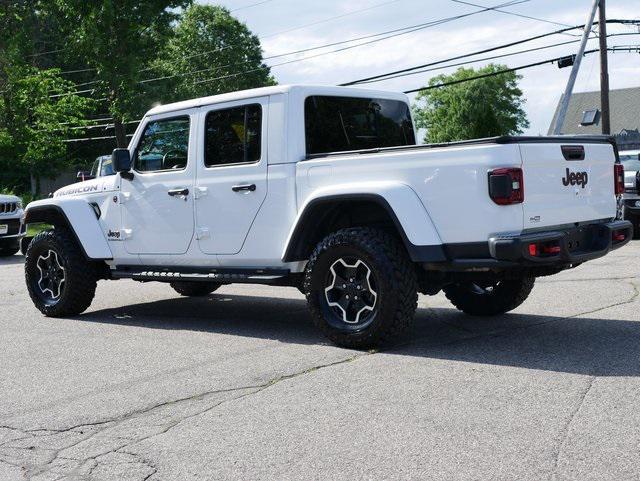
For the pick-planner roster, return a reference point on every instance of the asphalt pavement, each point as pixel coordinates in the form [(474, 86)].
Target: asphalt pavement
[(148, 385)]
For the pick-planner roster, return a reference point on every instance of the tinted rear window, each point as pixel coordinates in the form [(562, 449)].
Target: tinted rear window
[(337, 124)]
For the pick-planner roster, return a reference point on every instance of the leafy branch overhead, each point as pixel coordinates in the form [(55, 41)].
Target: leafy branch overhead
[(486, 107)]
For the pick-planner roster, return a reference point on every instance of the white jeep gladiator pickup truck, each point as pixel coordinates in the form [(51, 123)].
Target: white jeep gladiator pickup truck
[(325, 189)]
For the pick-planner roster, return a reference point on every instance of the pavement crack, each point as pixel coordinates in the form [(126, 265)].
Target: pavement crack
[(564, 434), (118, 443)]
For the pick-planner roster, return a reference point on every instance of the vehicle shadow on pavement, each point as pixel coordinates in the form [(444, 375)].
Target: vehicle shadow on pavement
[(12, 260), (598, 347)]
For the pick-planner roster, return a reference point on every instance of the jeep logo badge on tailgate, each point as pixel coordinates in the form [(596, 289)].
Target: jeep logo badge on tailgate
[(575, 178)]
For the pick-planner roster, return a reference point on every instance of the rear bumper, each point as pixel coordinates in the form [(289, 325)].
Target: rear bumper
[(572, 246), (576, 245)]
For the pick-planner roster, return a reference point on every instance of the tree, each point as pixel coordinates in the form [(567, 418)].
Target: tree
[(119, 39), (211, 52), (486, 107), (44, 111)]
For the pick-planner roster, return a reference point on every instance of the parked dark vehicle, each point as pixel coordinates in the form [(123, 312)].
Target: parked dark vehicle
[(102, 167), (631, 161)]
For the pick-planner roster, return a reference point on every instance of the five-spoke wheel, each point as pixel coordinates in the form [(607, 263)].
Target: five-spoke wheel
[(350, 290)]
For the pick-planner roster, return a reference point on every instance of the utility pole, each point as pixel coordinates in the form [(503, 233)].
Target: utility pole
[(566, 97), (604, 72)]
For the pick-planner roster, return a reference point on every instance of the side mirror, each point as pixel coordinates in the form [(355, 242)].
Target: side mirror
[(121, 160), (84, 175)]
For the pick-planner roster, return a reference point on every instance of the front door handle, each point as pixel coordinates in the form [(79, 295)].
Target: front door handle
[(175, 192), (245, 187)]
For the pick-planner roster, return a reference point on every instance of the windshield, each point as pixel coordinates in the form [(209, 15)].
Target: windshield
[(630, 161), (106, 168), (95, 167)]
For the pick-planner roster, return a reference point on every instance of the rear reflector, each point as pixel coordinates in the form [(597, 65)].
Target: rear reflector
[(544, 249), (618, 172), (618, 236), (506, 186)]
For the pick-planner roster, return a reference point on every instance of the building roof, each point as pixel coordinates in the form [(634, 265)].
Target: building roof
[(278, 89), (625, 112)]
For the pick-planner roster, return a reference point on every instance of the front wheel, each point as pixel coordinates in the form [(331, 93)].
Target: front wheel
[(361, 288), (60, 280), (489, 298)]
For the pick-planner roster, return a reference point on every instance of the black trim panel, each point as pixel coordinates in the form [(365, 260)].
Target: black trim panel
[(577, 245), (202, 274), (296, 249), (559, 139)]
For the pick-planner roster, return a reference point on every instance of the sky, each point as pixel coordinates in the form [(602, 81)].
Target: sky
[(288, 25)]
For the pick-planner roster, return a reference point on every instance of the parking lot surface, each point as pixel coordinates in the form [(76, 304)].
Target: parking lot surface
[(239, 385)]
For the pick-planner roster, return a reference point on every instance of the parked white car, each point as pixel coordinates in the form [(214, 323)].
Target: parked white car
[(631, 161), (12, 227), (325, 189)]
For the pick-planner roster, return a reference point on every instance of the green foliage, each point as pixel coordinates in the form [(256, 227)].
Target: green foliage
[(478, 108), (222, 50), (39, 110), (109, 48), (119, 39)]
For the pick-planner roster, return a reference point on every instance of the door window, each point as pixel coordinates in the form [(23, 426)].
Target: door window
[(164, 146), (233, 136)]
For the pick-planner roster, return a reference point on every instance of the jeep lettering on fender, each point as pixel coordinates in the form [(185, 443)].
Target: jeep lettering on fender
[(575, 178), (287, 186)]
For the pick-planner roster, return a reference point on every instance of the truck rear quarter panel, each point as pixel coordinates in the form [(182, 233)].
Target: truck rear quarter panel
[(449, 186)]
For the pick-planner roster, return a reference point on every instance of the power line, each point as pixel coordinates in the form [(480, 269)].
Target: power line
[(251, 5), (409, 29), (631, 48), (347, 14), (353, 12), (477, 52), (493, 57), (507, 70), (389, 34), (399, 32)]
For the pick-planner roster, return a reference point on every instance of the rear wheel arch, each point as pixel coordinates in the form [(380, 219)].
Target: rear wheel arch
[(325, 215)]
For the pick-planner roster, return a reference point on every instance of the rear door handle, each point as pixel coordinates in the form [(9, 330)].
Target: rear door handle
[(245, 187), (176, 192)]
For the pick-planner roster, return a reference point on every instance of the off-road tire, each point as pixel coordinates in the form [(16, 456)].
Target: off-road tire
[(80, 274), (505, 296), (396, 286), (195, 289)]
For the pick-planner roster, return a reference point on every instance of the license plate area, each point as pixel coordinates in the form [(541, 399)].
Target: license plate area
[(4, 229), (585, 239)]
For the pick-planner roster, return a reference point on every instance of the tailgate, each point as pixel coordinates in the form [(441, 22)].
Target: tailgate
[(567, 183)]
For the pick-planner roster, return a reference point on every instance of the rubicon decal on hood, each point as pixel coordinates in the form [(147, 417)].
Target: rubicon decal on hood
[(82, 189)]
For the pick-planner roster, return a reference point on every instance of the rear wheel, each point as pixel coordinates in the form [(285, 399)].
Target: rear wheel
[(489, 298), (195, 289), (60, 280), (361, 288)]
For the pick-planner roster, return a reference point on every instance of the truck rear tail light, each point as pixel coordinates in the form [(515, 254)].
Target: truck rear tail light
[(506, 186), (618, 172)]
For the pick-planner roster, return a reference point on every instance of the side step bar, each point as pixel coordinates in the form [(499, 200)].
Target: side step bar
[(202, 274)]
